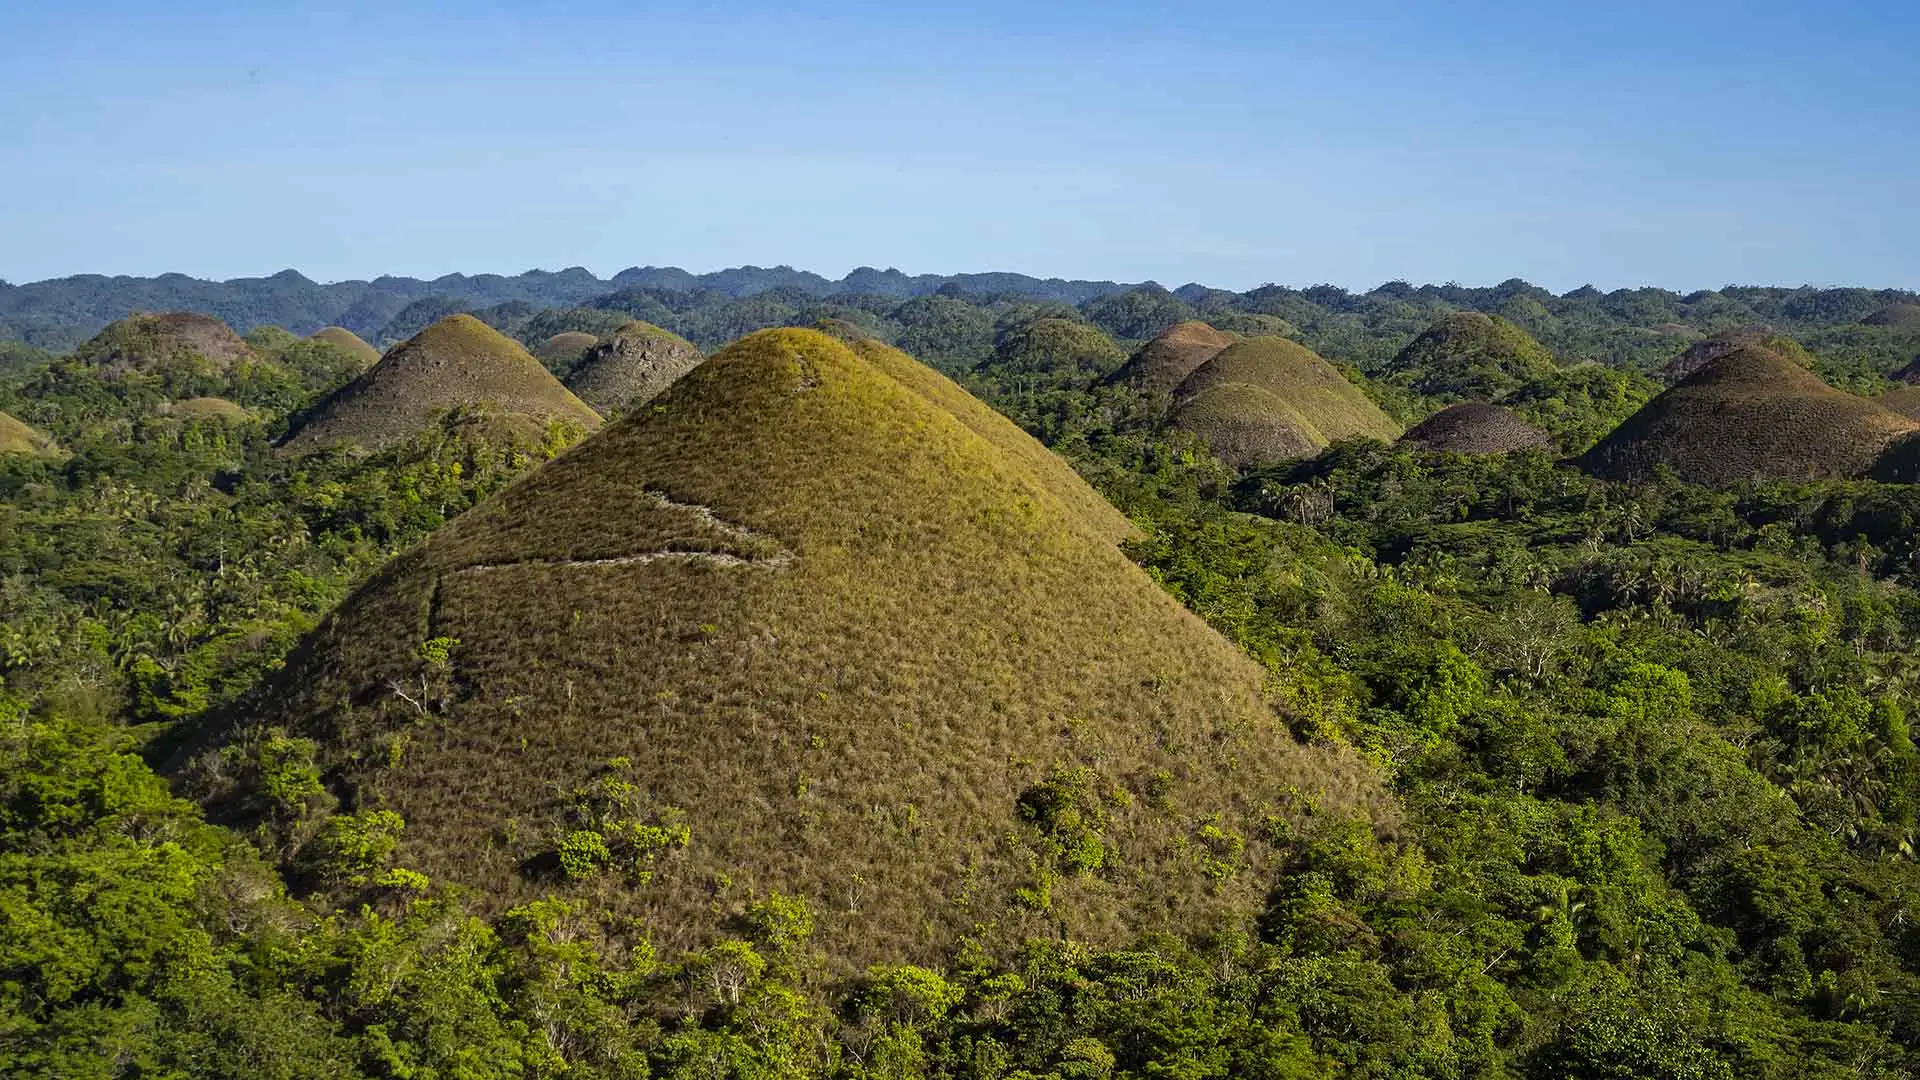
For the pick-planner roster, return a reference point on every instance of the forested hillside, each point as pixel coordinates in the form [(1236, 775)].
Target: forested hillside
[(1503, 765)]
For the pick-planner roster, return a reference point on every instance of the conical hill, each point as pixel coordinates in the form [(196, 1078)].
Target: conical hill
[(1726, 343), (1903, 400), (149, 343), (1903, 315), (1475, 428), (353, 344), (860, 647), (1751, 413), (456, 361), (562, 352), (18, 438), (1472, 355), (632, 366), (1268, 400), (1162, 363)]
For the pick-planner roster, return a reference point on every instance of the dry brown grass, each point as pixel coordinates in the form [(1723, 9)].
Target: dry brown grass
[(1162, 363), (1905, 316), (1752, 413), (1726, 343), (1268, 400), (353, 344), (632, 367), (456, 361), (841, 616), (18, 438), (1475, 428)]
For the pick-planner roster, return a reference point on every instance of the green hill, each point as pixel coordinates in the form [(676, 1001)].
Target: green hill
[(18, 438), (1475, 428), (149, 343), (562, 352), (1726, 343), (866, 649), (456, 361), (1471, 355), (1750, 413), (1267, 400), (350, 342), (632, 366), (1051, 346), (1162, 363)]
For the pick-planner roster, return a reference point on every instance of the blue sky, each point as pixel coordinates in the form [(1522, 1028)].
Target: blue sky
[(1237, 143)]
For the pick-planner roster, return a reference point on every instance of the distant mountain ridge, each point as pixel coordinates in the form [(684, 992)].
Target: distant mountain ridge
[(61, 312)]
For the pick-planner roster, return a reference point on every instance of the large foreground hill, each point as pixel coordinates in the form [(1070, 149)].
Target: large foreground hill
[(863, 639)]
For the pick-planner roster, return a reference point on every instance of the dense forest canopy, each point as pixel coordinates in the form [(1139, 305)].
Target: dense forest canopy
[(1647, 743)]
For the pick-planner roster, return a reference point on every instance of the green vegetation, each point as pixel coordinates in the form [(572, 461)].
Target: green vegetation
[(18, 438), (561, 353), (457, 362), (837, 739), (1469, 355), (349, 342)]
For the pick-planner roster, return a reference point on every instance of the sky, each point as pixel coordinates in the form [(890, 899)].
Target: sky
[(1233, 144)]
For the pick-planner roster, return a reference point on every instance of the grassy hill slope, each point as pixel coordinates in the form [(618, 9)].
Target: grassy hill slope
[(353, 343), (1753, 412), (631, 367), (863, 649), (147, 343), (18, 438), (1162, 363), (1267, 400), (456, 361), (1475, 428)]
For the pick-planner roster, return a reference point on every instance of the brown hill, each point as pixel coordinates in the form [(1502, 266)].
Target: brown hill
[(1904, 316), (456, 361), (562, 352), (1162, 363), (864, 652), (148, 343), (1267, 400), (1726, 343), (632, 366), (18, 438), (1475, 428), (349, 342), (1750, 413)]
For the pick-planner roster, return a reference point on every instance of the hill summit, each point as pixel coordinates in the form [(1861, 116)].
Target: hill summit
[(632, 366), (561, 352), (803, 627), (150, 343), (1162, 363), (1267, 400), (351, 343), (1726, 343), (1751, 413), (456, 361), (1475, 428), (1472, 355)]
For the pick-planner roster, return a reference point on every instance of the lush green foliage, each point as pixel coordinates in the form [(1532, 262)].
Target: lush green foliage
[(1650, 741)]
